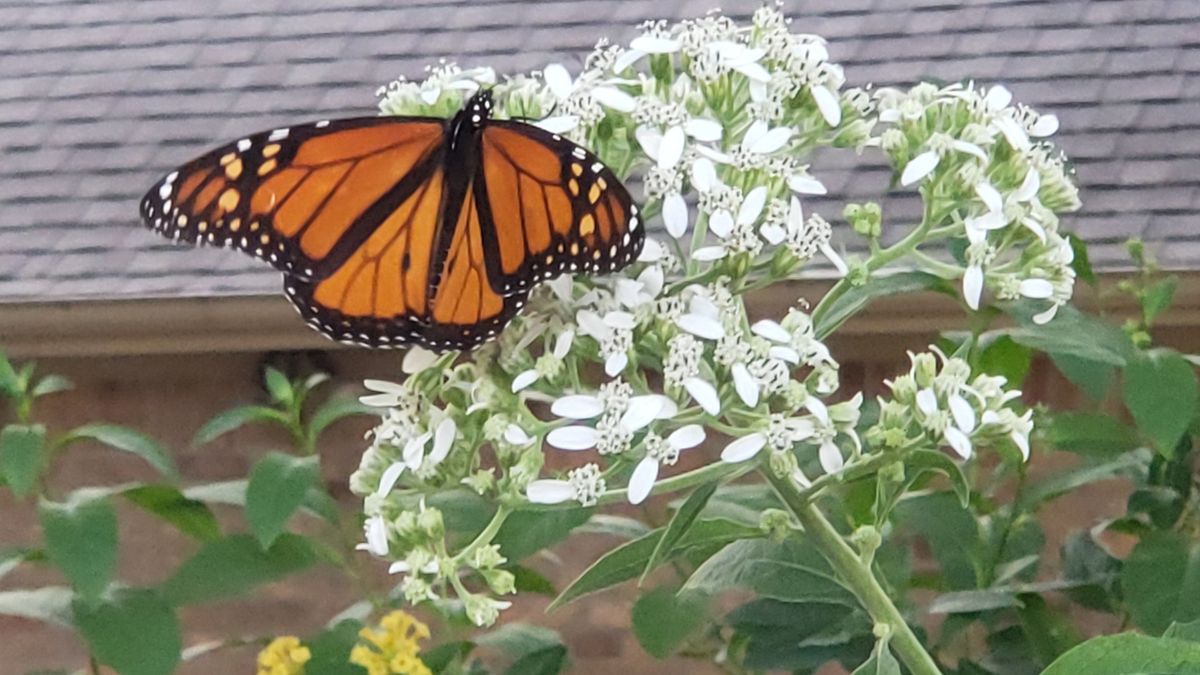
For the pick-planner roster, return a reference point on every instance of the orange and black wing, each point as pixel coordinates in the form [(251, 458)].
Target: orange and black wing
[(550, 207)]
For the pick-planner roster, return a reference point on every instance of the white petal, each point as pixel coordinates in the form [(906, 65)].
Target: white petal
[(524, 379), (963, 413), (973, 286), (701, 326), (669, 407), (958, 442), (414, 450), (703, 129), (611, 97), (774, 234), (572, 438), (652, 280), (998, 98), (1029, 186), (700, 304), (743, 448), (1022, 442), (591, 324), (745, 384), (378, 400), (443, 439), (1046, 316), (818, 409), (919, 167), (620, 320), (806, 185), (771, 141), (650, 139), (577, 407), (430, 96), (1013, 132), (755, 72), (615, 363), (831, 458), (801, 479), (675, 214), (771, 330), (736, 53), (709, 253), (558, 124), (704, 393), (970, 149), (990, 196), (399, 567), (517, 436), (671, 150), (756, 130), (704, 174), (785, 354), (652, 251), (417, 359), (655, 45), (839, 264), (376, 535), (828, 104), (642, 411), (927, 401), (1045, 126), (388, 480), (549, 491), (627, 59), (1030, 223), (686, 437), (642, 480), (558, 80), (1037, 289), (713, 154), (383, 386), (752, 206), (562, 344), (721, 223)]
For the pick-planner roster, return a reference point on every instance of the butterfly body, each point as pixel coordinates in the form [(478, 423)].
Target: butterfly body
[(393, 231)]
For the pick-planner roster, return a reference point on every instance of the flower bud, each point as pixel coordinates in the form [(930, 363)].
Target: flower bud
[(777, 524)]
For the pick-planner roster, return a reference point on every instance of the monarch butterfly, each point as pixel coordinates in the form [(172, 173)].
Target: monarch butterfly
[(393, 231)]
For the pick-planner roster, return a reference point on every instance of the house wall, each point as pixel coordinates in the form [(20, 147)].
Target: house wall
[(169, 396)]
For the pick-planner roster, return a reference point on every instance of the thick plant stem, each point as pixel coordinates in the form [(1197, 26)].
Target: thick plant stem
[(857, 576)]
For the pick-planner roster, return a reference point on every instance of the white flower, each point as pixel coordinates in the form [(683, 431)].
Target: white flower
[(584, 485), (416, 359), (389, 394), (376, 535), (614, 332), (661, 451), (543, 367)]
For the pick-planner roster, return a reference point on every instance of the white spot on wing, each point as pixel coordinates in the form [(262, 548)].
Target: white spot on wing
[(278, 134), (243, 145)]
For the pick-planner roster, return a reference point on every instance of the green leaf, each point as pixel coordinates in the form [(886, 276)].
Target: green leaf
[(683, 519), (336, 409), (623, 527), (189, 516), (1092, 435), (1086, 561), (629, 559), (135, 632), (11, 558), (881, 662), (791, 571), (1000, 355), (1082, 262), (236, 418), (1160, 391), (1068, 480), (929, 460), (331, 650), (1094, 378), (81, 540), (961, 602), (519, 639), (1189, 631), (236, 564), (10, 382), (549, 661), (663, 619), (48, 604), (22, 456), (1128, 653), (1160, 581), (278, 386), (1072, 333), (1049, 633), (51, 384), (527, 532), (949, 529), (1157, 298), (277, 486), (127, 440), (527, 580), (858, 297), (447, 656), (774, 620)]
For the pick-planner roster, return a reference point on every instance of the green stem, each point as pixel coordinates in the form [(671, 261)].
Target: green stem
[(856, 575), (485, 537)]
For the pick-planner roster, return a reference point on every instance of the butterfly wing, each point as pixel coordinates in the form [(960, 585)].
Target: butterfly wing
[(302, 198), (548, 206)]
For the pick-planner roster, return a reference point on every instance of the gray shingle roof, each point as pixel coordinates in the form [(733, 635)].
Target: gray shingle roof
[(97, 99)]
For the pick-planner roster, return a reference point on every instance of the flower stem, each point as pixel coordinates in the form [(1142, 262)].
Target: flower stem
[(856, 575), (486, 536)]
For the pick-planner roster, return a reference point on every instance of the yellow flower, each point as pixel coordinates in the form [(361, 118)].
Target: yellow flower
[(284, 656), (392, 648)]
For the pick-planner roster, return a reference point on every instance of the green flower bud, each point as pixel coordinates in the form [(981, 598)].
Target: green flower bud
[(777, 524), (924, 369), (486, 557), (502, 582), (481, 482), (430, 522), (782, 463)]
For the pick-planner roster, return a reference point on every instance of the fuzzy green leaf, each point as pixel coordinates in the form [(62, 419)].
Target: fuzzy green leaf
[(81, 540), (683, 519), (1160, 390), (277, 486), (236, 564), (135, 631), (22, 456), (127, 440)]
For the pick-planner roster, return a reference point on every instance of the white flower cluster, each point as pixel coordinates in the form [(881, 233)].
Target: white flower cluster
[(985, 165), (633, 371)]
